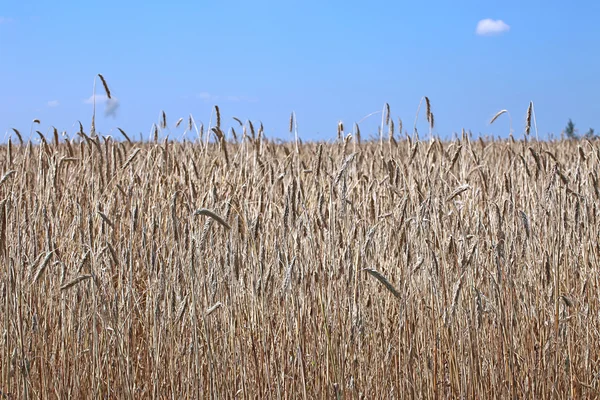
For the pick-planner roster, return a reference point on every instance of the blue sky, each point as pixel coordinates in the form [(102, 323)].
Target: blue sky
[(327, 61)]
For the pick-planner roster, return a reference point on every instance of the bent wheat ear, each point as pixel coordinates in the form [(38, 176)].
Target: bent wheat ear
[(130, 159), (42, 267), (6, 176), (498, 114), (213, 308), (458, 191), (213, 215), (75, 282), (383, 280), (106, 219), (18, 135), (106, 89), (125, 135), (42, 137)]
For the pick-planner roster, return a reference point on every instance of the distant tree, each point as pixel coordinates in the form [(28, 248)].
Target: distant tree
[(570, 130), (590, 134)]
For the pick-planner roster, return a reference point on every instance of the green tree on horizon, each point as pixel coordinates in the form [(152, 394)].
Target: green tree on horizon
[(590, 134), (570, 130)]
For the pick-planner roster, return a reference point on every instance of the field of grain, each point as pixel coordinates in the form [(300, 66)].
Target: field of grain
[(252, 269)]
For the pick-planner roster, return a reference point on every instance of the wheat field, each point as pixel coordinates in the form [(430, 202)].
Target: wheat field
[(246, 268)]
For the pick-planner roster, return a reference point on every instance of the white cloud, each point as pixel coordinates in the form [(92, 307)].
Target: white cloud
[(237, 99), (111, 105), (99, 99), (53, 103), (206, 96), (5, 20), (489, 27)]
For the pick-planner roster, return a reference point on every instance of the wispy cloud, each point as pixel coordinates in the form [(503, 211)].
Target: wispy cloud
[(489, 27), (5, 20), (99, 99), (53, 103), (236, 99), (205, 96), (111, 105), (209, 97)]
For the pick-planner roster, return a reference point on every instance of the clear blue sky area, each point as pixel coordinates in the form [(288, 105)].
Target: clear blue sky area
[(327, 61)]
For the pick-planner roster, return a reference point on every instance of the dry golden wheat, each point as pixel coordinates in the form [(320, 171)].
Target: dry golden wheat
[(481, 261)]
